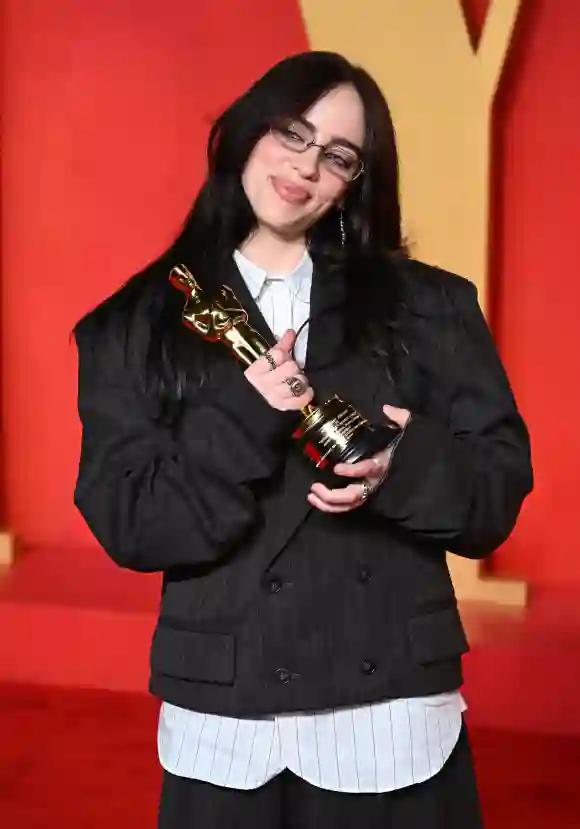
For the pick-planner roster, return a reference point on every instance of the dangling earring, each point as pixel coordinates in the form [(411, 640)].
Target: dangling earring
[(342, 230)]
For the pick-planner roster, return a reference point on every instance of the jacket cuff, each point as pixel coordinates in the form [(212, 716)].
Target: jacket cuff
[(263, 424), (424, 445)]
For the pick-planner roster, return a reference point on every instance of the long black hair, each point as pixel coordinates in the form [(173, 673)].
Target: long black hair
[(221, 217)]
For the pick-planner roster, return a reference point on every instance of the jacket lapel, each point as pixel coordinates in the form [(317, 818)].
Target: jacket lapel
[(324, 350)]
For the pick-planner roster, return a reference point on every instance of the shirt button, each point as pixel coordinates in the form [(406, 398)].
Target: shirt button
[(364, 575), (368, 667), (283, 676)]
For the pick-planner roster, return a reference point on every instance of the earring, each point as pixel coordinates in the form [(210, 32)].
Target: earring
[(342, 230)]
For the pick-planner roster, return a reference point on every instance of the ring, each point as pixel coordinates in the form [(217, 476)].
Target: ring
[(271, 361), (366, 490), (297, 386)]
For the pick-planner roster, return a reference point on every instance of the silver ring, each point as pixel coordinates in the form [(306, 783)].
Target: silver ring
[(297, 386), (366, 490), (271, 360)]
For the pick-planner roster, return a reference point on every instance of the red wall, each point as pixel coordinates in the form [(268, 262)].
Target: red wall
[(535, 265), (106, 109), (106, 112)]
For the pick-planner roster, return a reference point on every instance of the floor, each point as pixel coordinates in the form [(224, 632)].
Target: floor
[(86, 758)]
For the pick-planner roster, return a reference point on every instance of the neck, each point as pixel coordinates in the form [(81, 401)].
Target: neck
[(273, 253)]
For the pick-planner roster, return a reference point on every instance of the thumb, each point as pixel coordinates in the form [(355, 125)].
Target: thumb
[(287, 340), (400, 416)]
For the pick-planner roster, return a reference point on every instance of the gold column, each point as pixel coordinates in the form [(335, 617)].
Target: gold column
[(441, 94)]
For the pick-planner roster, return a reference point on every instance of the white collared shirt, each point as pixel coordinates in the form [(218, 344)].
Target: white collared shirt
[(362, 749), (283, 299)]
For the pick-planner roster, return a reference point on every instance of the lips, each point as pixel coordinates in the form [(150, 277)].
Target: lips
[(288, 192)]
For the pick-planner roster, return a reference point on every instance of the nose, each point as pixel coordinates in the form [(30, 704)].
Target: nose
[(307, 163)]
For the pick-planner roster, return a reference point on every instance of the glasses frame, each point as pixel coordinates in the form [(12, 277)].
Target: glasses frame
[(275, 129)]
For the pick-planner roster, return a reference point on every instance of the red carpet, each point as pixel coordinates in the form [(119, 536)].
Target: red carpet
[(77, 759), (87, 758)]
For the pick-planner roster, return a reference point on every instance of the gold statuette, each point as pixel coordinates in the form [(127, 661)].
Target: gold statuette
[(221, 319)]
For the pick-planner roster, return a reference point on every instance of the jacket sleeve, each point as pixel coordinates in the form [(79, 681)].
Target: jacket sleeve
[(157, 498), (462, 483)]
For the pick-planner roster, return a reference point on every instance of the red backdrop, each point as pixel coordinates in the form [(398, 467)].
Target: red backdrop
[(106, 108), (106, 113), (536, 292)]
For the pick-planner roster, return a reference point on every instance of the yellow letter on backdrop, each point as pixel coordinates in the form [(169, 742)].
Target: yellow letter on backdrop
[(441, 94)]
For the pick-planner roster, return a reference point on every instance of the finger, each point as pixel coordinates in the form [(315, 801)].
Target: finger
[(346, 496), (287, 340), (289, 382), (291, 403), (374, 467), (362, 469), (400, 416), (316, 502), (279, 356), (282, 359), (263, 365), (285, 371), (280, 380)]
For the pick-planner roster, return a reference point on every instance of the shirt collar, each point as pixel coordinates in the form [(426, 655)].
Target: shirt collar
[(255, 277)]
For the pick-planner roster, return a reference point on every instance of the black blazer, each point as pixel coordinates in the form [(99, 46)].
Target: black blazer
[(268, 604)]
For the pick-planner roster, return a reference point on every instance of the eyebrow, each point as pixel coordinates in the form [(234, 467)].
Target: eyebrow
[(336, 139)]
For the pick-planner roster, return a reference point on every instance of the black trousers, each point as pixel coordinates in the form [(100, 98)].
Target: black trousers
[(449, 800)]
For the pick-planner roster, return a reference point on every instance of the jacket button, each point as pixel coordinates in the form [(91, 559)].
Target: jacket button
[(283, 676), (368, 667), (364, 575), (274, 585)]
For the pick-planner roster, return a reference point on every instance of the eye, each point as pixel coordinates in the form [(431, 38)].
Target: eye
[(291, 134), (341, 159)]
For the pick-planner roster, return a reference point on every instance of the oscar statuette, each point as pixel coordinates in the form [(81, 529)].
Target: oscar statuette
[(328, 433)]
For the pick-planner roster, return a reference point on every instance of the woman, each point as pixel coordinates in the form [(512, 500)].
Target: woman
[(308, 648)]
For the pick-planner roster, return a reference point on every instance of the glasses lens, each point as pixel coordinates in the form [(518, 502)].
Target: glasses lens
[(292, 134), (342, 162)]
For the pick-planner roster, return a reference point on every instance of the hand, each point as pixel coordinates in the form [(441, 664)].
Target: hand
[(370, 473), (272, 382)]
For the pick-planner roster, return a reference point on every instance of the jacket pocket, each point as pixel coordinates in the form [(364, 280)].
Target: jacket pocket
[(194, 656), (436, 637)]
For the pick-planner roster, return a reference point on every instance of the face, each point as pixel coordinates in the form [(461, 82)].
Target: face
[(289, 191)]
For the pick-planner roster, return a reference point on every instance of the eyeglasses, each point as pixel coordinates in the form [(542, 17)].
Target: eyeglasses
[(338, 159)]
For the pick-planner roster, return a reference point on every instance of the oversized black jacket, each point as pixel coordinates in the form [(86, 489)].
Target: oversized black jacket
[(268, 604)]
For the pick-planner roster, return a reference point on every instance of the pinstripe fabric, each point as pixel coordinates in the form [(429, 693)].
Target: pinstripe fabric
[(365, 749)]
